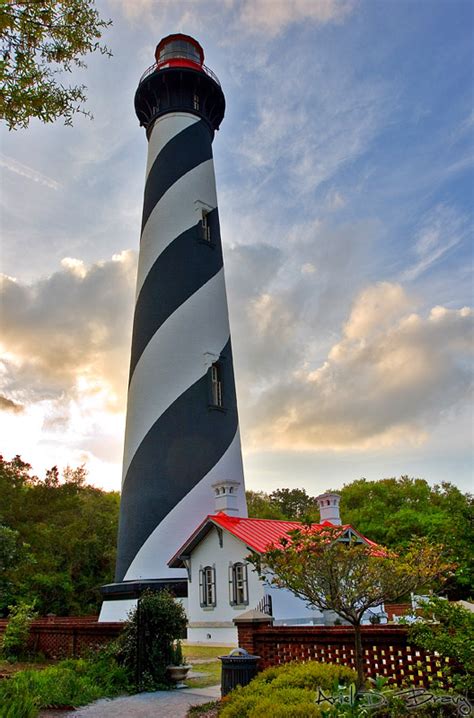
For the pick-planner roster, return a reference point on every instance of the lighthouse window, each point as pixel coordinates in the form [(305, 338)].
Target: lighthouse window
[(205, 227), (238, 584), (207, 586), (179, 48), (216, 385), (196, 102)]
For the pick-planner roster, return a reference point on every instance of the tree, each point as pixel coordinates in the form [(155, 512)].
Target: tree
[(294, 503), (146, 645), (65, 531), (448, 629), (260, 507), (392, 511), (39, 40), (348, 578)]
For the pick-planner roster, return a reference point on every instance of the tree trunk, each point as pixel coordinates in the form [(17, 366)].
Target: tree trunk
[(359, 656)]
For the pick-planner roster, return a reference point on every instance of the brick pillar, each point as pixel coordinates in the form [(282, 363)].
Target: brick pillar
[(248, 625)]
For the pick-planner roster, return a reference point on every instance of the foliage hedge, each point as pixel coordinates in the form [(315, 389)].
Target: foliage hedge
[(147, 644), (69, 683), (286, 691), (291, 691)]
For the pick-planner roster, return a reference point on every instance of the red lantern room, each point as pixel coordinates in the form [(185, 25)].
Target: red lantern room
[(179, 51)]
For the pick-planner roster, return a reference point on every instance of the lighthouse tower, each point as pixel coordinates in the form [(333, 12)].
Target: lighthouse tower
[(182, 434)]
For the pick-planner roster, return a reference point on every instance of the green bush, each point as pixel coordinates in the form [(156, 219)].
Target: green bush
[(70, 683), (448, 628), (14, 703), (15, 638), (287, 691), (147, 643)]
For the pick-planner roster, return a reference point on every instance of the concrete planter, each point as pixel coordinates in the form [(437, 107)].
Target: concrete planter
[(177, 674)]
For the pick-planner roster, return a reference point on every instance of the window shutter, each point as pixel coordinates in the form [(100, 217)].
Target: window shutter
[(214, 596), (201, 588), (246, 585), (231, 585)]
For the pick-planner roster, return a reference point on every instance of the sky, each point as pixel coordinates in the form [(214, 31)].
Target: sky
[(344, 175)]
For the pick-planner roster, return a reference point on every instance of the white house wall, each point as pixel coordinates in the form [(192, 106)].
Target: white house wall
[(215, 625), (289, 609)]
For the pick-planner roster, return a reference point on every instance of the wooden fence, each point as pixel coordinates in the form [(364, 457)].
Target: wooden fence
[(69, 637)]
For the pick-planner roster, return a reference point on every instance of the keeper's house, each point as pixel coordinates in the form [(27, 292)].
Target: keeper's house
[(222, 585)]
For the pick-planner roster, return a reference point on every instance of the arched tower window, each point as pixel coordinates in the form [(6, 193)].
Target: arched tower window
[(216, 385)]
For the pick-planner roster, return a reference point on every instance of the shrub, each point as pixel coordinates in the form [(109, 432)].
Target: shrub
[(14, 703), (287, 691), (146, 645), (70, 683), (448, 628), (15, 637), (311, 675)]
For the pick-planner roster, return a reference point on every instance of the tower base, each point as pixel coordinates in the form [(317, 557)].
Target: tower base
[(121, 598)]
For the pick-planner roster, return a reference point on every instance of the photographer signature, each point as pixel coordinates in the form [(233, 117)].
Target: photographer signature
[(413, 698)]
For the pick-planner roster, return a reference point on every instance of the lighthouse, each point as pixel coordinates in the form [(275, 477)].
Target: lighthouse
[(182, 434)]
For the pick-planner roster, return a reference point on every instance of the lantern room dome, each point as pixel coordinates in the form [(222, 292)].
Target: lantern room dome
[(179, 51)]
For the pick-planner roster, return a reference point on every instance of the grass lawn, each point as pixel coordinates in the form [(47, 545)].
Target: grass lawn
[(210, 668), (211, 675), (196, 653)]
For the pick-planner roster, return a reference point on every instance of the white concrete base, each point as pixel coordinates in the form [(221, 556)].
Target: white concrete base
[(112, 611), (213, 636)]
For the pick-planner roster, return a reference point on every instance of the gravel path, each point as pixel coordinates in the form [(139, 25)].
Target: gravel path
[(159, 704)]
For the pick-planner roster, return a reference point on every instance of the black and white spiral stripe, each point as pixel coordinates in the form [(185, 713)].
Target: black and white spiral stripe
[(176, 446)]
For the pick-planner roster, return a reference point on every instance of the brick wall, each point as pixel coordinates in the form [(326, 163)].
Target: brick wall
[(397, 609), (386, 649), (68, 637)]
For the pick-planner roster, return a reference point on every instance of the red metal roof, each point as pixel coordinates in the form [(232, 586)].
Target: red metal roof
[(257, 534)]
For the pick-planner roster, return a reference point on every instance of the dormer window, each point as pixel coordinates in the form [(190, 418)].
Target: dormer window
[(216, 385)]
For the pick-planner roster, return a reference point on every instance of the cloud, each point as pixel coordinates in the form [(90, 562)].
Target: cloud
[(389, 379), (67, 335), (274, 16), (442, 229), (20, 169), (301, 145), (9, 405), (251, 16)]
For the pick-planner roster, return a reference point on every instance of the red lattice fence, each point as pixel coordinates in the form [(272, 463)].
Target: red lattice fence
[(68, 637), (386, 649)]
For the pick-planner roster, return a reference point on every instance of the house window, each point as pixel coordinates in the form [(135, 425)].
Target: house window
[(238, 584), (216, 385), (207, 586), (205, 229)]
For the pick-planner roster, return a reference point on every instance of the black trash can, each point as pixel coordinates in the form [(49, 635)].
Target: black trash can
[(238, 669)]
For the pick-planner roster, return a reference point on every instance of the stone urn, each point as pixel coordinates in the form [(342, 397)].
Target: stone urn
[(177, 674)]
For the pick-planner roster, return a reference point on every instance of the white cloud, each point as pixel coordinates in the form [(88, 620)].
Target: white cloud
[(442, 229), (301, 145), (67, 335), (273, 16), (387, 381), (24, 171), (251, 16)]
